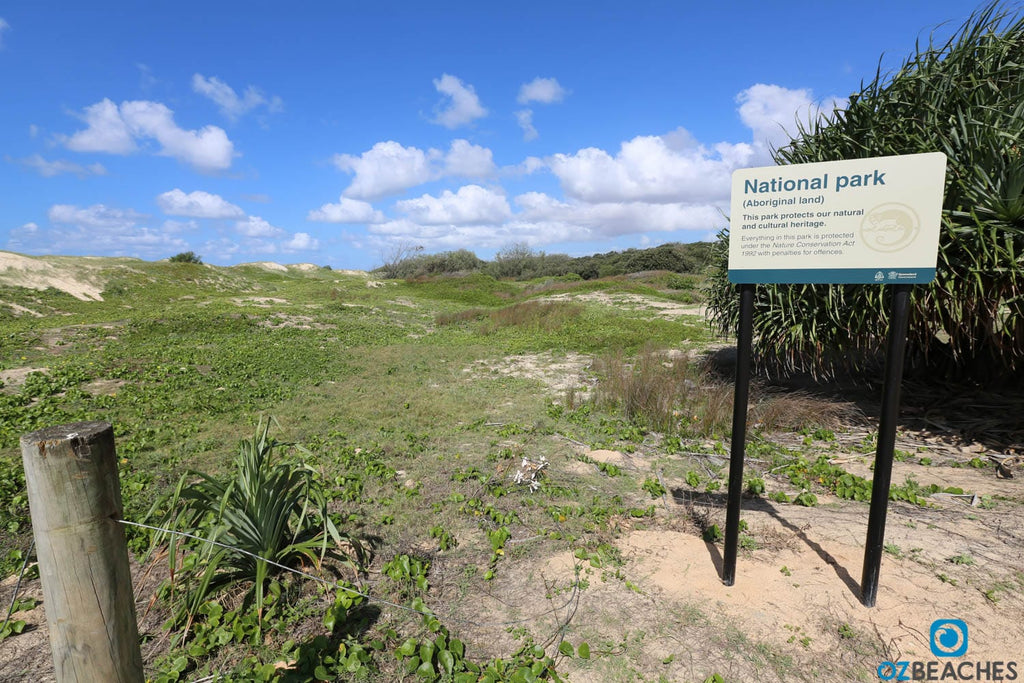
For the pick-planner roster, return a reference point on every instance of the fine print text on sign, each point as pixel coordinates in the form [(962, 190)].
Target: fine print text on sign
[(859, 221)]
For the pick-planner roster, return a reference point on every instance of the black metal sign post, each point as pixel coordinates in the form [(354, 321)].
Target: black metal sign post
[(896, 343), (895, 347), (869, 221), (744, 339)]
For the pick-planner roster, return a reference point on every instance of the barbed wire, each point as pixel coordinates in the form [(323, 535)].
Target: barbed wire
[(573, 596)]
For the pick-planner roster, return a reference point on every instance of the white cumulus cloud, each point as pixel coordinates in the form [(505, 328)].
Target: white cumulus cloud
[(301, 241), (254, 226), (346, 211), (472, 204), (229, 102), (650, 168), (772, 113), (197, 204), (543, 90), (462, 105), (207, 149), (466, 160), (117, 130), (384, 169), (389, 167), (107, 131)]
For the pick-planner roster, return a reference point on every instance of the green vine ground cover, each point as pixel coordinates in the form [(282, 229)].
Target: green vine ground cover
[(414, 439)]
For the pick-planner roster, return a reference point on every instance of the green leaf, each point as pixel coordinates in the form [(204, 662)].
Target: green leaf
[(584, 651), (566, 648), (426, 670), (408, 648), (447, 661)]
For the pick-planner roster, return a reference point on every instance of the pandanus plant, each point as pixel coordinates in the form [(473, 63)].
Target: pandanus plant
[(963, 96), (270, 514)]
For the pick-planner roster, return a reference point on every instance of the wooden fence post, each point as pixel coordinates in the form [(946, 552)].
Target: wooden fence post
[(74, 496)]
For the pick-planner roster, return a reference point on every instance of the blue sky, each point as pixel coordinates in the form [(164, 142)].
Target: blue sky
[(334, 133)]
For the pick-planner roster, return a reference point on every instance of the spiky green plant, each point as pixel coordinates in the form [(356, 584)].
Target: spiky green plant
[(270, 514), (965, 97)]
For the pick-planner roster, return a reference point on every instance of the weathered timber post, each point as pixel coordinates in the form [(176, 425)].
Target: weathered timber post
[(74, 496)]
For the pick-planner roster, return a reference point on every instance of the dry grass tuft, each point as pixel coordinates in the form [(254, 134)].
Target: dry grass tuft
[(793, 411), (678, 396)]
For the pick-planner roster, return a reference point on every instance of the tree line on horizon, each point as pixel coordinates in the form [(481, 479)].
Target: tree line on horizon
[(521, 262)]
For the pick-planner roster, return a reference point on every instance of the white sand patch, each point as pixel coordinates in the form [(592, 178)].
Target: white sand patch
[(635, 302), (607, 456), (15, 377), (260, 301), (269, 265), (570, 371), (104, 387), (305, 266), (33, 273), (20, 310)]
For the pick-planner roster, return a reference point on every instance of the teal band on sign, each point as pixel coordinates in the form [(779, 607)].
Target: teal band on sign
[(834, 276)]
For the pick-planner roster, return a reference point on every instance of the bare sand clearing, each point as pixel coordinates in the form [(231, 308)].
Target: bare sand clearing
[(21, 310), (269, 265), (557, 372), (635, 302), (24, 271), (14, 378), (304, 267)]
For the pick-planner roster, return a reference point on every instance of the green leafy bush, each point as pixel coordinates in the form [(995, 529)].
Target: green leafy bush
[(186, 257)]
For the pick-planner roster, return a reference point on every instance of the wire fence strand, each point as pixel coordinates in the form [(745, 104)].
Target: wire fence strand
[(17, 586)]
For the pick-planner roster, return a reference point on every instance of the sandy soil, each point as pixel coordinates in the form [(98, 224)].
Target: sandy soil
[(635, 302), (20, 310), (796, 598), (269, 265), (558, 372), (32, 273), (14, 378)]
